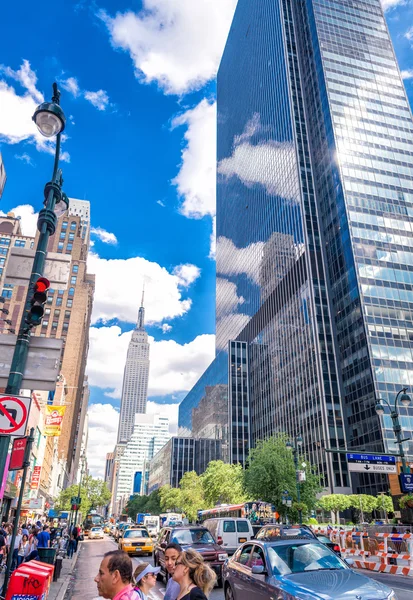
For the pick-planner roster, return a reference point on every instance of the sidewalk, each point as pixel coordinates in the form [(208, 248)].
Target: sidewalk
[(58, 588)]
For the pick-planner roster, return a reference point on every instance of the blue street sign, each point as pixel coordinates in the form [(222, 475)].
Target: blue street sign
[(371, 458), (406, 482)]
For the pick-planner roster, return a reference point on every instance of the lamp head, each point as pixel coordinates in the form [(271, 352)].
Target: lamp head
[(299, 440), (379, 408), (61, 206), (405, 399), (50, 119), (289, 445)]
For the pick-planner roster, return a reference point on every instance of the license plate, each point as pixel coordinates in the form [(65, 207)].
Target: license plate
[(242, 540)]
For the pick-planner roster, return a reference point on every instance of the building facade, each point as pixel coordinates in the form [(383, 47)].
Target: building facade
[(135, 379), (67, 316), (180, 455), (150, 433), (3, 176), (315, 225)]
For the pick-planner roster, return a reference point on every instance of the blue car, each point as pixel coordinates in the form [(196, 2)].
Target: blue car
[(300, 569)]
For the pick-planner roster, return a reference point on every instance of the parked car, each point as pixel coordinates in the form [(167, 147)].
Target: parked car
[(136, 541), (96, 533), (120, 529), (294, 569), (274, 531), (198, 538), (230, 532), (327, 542)]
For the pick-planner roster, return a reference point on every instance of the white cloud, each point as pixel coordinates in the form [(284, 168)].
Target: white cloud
[(407, 74), (25, 158), (173, 367), (389, 4), (187, 274), (16, 110), (99, 99), (160, 203), (229, 299), (196, 180), (119, 285), (268, 163), (103, 431), (166, 328), (213, 239), (28, 218), (105, 236), (176, 44), (228, 328), (71, 85), (235, 261)]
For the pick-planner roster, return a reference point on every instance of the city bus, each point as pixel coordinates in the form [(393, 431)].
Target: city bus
[(92, 520), (258, 513)]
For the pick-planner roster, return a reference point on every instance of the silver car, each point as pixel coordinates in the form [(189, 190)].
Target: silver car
[(295, 570)]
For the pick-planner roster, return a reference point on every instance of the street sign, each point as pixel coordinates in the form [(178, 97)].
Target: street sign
[(42, 366), (17, 454), (14, 412), (20, 263), (371, 463), (35, 480), (406, 482), (76, 500)]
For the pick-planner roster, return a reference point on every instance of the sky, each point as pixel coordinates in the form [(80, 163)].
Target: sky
[(138, 90)]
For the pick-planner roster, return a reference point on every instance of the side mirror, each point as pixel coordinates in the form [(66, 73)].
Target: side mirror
[(349, 562), (258, 570)]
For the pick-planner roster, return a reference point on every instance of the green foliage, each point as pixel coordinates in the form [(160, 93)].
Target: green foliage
[(170, 499), (144, 504), (192, 494), (363, 502), (223, 484), (385, 503), (311, 521), (335, 503), (271, 470), (93, 492), (405, 500)]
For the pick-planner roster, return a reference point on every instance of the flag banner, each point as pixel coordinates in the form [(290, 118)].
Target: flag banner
[(53, 420)]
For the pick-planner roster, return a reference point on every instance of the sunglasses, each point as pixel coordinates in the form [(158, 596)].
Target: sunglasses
[(178, 563)]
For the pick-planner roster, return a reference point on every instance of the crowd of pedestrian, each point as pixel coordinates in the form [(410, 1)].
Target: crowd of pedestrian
[(31, 537), (190, 577)]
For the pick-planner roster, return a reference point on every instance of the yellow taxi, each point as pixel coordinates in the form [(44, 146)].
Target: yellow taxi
[(136, 541)]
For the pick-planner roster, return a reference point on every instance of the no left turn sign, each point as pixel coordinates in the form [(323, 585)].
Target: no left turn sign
[(14, 412)]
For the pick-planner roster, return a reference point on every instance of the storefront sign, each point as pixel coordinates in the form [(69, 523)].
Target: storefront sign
[(17, 454), (53, 420), (35, 480)]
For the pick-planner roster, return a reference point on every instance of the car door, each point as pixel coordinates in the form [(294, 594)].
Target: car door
[(229, 535), (240, 571), (259, 583)]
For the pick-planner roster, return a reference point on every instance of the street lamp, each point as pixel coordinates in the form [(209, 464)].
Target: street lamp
[(50, 121), (380, 408), (295, 448)]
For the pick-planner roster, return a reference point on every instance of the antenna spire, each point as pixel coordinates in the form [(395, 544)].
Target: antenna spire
[(141, 313)]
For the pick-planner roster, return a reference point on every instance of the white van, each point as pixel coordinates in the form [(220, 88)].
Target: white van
[(151, 523), (230, 532)]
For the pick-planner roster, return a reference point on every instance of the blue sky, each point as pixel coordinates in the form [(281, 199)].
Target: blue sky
[(138, 90)]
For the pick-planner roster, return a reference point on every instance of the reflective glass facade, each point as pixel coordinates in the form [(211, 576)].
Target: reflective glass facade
[(315, 223)]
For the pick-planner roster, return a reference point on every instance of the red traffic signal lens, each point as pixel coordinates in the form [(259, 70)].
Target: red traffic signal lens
[(41, 285)]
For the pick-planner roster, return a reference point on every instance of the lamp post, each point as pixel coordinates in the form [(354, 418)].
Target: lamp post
[(295, 448), (50, 121), (405, 400), (82, 458)]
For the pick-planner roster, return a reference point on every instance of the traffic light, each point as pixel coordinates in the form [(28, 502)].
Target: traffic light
[(36, 311)]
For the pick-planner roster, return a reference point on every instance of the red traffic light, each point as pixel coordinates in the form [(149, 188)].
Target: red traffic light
[(41, 285)]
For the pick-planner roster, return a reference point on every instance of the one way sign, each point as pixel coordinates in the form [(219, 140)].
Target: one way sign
[(371, 463)]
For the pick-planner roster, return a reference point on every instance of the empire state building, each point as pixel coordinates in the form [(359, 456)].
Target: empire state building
[(135, 379)]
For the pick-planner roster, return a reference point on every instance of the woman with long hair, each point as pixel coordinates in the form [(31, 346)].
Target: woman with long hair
[(195, 578), (145, 579)]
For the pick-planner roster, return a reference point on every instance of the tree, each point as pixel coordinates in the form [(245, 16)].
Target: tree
[(93, 493), (144, 504), (170, 498), (363, 503), (223, 483), (192, 494), (385, 504), (335, 503), (271, 471)]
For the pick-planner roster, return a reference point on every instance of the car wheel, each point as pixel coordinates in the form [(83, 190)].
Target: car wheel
[(229, 594)]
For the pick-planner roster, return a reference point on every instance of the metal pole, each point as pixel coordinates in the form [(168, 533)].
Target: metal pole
[(18, 510), (300, 512), (78, 495), (398, 430), (46, 225)]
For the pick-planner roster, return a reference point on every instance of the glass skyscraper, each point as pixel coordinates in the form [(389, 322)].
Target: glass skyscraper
[(315, 225)]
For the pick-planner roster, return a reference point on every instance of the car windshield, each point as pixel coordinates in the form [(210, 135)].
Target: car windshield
[(96, 528), (290, 558), (136, 533), (324, 539), (192, 536)]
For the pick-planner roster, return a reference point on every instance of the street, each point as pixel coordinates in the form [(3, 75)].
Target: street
[(82, 587)]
